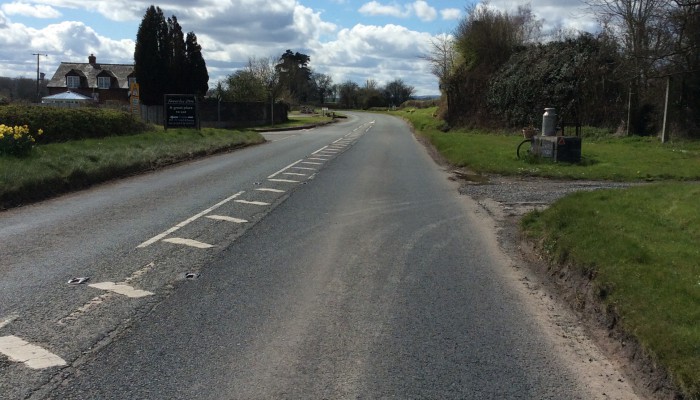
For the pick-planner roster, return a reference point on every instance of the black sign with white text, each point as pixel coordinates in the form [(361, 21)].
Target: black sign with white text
[(181, 111)]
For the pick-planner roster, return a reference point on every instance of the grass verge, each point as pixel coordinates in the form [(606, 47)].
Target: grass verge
[(60, 167), (620, 159), (639, 246)]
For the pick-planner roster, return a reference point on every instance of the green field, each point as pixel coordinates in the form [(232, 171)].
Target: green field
[(641, 245)]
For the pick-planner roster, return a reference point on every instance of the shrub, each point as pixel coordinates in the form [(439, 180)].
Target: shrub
[(63, 124)]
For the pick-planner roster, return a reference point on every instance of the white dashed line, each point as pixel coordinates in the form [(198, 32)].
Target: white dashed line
[(284, 169), (31, 355), (320, 150), (124, 290), (189, 242), (255, 203), (228, 219), (273, 190), (187, 221), (283, 180), (8, 320)]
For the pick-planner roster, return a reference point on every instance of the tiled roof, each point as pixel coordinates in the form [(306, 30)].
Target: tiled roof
[(90, 71)]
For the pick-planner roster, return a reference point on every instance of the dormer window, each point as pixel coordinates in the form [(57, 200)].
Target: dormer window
[(104, 82), (72, 81)]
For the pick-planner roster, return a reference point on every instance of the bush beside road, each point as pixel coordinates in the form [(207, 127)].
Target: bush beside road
[(637, 247)]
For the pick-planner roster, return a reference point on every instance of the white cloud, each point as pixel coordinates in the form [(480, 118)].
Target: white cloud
[(374, 8), (29, 10), (382, 53), (424, 11), (449, 14)]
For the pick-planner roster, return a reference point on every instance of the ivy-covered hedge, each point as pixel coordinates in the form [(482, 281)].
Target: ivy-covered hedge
[(575, 76), (63, 124)]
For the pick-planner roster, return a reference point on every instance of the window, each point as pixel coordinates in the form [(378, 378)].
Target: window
[(72, 81), (104, 82)]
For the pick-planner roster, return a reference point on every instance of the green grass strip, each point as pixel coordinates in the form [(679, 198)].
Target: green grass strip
[(642, 247), (60, 167), (621, 159)]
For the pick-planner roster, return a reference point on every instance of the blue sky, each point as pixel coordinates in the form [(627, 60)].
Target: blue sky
[(346, 39)]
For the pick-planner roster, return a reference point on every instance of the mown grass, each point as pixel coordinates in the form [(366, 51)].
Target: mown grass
[(59, 167), (622, 159), (641, 245)]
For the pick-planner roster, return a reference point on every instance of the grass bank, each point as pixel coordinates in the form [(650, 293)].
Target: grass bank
[(60, 167), (639, 246), (621, 159)]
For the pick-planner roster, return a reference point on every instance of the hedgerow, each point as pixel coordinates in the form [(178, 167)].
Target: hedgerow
[(64, 124)]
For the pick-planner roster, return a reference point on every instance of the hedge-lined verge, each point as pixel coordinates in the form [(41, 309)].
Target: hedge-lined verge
[(64, 124)]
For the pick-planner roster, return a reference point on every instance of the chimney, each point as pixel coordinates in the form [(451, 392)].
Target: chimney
[(92, 59)]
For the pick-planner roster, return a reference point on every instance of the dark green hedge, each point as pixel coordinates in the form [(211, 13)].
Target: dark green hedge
[(63, 124)]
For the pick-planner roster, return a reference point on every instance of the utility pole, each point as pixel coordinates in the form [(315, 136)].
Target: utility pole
[(38, 78)]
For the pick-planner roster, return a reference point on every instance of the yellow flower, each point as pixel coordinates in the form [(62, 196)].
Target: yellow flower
[(40, 132)]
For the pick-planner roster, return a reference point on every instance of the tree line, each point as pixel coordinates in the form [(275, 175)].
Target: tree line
[(166, 60), (498, 68), (289, 78)]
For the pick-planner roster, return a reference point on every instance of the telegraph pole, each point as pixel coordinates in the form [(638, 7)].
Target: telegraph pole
[(38, 93)]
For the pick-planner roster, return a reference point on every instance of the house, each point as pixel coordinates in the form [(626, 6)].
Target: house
[(105, 83)]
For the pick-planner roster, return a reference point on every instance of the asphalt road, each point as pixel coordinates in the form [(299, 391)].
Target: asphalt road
[(337, 262)]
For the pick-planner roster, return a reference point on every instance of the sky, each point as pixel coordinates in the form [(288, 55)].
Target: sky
[(382, 40)]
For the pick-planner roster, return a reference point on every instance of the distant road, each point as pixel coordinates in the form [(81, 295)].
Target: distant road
[(337, 262)]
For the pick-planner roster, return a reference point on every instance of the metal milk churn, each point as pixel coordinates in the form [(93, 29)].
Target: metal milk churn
[(549, 122)]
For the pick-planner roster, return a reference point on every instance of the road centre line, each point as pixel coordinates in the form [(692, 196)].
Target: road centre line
[(187, 221), (255, 203), (284, 169), (320, 150), (226, 218), (275, 190), (189, 242), (31, 355), (283, 180), (122, 289), (8, 320)]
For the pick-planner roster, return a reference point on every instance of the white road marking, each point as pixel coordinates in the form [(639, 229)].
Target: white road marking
[(98, 300), (284, 169), (189, 242), (311, 163), (304, 168), (274, 190), (225, 218), (320, 150), (318, 159), (294, 174), (283, 180), (187, 221), (8, 320), (124, 290), (31, 355), (255, 203)]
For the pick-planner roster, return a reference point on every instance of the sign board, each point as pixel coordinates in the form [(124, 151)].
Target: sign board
[(181, 111), (135, 100)]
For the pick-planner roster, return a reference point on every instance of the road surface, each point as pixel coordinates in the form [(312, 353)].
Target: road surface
[(337, 262)]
